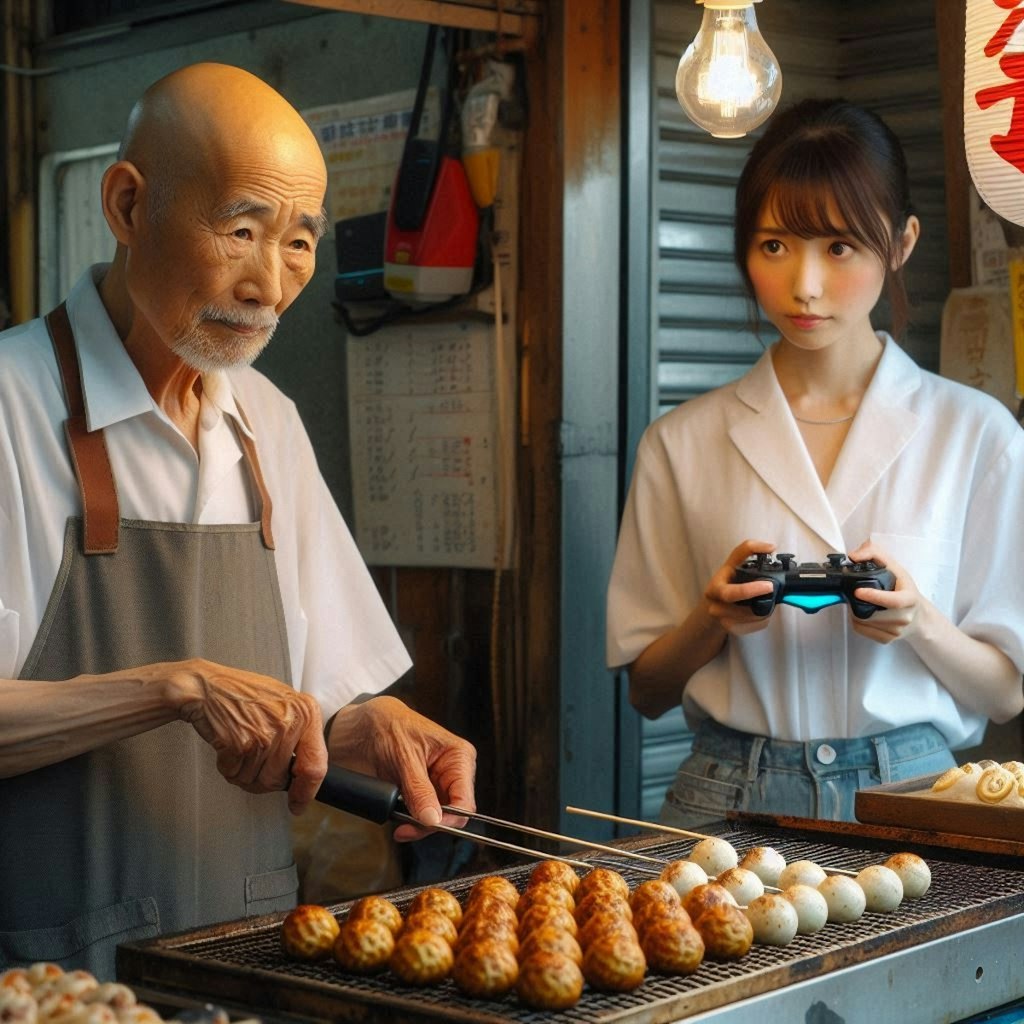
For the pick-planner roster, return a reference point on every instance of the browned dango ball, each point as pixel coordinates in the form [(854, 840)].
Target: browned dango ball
[(545, 894), (654, 913), (601, 879), (376, 908), (703, 897), (673, 947), (541, 914), (437, 899), (603, 922), (364, 945), (653, 890), (485, 969), (308, 932), (491, 908), (421, 958), (549, 981), (494, 885), (432, 921), (726, 931), (614, 963), (555, 871), (549, 938), (480, 928), (602, 901)]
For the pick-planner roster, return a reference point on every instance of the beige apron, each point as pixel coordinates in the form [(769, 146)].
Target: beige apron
[(143, 835)]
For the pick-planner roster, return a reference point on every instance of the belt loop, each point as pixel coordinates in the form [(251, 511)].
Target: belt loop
[(754, 758), (882, 756)]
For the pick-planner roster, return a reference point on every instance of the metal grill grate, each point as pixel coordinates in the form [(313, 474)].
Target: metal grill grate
[(955, 888)]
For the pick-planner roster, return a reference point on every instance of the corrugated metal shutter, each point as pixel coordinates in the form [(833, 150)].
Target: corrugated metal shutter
[(880, 54)]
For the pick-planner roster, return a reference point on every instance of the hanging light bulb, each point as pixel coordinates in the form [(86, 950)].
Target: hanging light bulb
[(728, 80)]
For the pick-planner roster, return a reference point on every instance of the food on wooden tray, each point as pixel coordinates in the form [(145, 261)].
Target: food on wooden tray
[(308, 932), (684, 875), (44, 993), (810, 905), (714, 855), (711, 894), (914, 873), (801, 872), (421, 957), (883, 890), (550, 939), (376, 908), (614, 963), (845, 898), (981, 782), (726, 932), (549, 981), (773, 918), (601, 880), (766, 862), (494, 885), (556, 871), (437, 899), (744, 885), (485, 969), (673, 946), (365, 945)]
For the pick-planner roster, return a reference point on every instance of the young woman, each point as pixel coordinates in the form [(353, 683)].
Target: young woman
[(834, 442)]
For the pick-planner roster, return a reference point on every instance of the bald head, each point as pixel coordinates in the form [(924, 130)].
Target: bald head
[(201, 118)]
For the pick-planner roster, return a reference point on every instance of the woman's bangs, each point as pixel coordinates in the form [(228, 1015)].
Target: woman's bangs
[(807, 208)]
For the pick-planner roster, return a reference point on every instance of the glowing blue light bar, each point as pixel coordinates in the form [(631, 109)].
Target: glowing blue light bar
[(812, 603)]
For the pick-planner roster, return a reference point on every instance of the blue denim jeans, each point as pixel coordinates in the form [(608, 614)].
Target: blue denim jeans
[(736, 771)]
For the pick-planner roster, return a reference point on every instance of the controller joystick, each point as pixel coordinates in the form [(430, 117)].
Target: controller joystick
[(812, 586)]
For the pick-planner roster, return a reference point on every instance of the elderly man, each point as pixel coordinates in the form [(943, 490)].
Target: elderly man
[(175, 641)]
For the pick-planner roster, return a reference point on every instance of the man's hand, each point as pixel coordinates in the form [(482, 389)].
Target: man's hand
[(255, 724), (430, 765)]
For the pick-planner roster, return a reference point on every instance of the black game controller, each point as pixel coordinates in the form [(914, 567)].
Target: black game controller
[(812, 585)]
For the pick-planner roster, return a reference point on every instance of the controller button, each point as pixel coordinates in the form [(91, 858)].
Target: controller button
[(825, 754), (835, 560)]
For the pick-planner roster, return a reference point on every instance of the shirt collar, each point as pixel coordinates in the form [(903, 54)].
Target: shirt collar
[(111, 385)]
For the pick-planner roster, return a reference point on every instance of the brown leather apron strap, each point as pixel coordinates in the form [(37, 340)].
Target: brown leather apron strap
[(88, 449)]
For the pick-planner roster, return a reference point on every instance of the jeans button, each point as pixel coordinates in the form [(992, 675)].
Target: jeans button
[(825, 754)]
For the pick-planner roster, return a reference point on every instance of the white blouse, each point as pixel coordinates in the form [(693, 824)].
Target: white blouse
[(931, 471), (341, 639)]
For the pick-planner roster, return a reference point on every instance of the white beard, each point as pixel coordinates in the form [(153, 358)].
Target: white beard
[(204, 352)]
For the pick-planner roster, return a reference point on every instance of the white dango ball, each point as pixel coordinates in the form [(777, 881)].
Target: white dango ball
[(845, 898), (744, 885), (810, 906), (684, 875), (714, 856), (766, 862), (773, 918), (883, 890), (802, 872), (914, 873)]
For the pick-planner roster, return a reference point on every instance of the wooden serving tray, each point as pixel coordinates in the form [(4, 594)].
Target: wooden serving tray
[(897, 803)]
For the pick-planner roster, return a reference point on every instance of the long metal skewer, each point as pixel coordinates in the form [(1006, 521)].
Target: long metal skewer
[(582, 843), (657, 827), (486, 840)]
